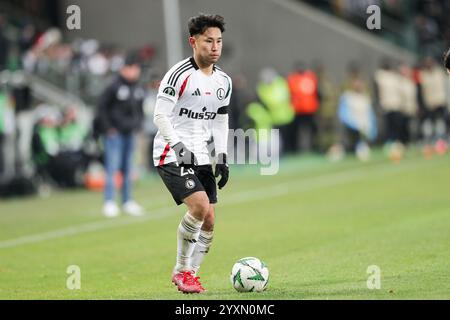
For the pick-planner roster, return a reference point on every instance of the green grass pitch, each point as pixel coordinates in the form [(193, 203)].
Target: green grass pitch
[(317, 225)]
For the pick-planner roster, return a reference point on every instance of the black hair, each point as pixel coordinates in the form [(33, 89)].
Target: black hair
[(199, 24), (447, 59)]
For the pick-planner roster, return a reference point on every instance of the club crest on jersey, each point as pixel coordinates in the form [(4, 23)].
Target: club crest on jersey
[(220, 93), (190, 184), (170, 91), (197, 115)]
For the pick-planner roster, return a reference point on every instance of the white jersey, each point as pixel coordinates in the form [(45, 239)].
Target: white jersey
[(197, 98)]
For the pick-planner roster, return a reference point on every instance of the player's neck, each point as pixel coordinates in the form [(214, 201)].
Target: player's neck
[(205, 68)]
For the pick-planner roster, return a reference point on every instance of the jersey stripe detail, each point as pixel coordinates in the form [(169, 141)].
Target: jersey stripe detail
[(183, 86), (173, 82), (179, 74), (164, 155), (178, 69)]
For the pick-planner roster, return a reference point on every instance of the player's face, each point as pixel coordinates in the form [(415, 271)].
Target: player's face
[(208, 46)]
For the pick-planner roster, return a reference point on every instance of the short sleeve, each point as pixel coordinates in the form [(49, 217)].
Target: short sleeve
[(168, 89)]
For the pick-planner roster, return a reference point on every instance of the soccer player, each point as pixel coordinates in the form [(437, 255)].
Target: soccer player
[(191, 109)]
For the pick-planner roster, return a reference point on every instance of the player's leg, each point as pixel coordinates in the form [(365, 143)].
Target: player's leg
[(189, 229), (187, 236), (206, 177), (205, 239), (185, 187)]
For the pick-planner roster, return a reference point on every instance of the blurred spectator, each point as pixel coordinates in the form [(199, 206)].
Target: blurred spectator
[(72, 133), (434, 84), (98, 64), (356, 114), (273, 93), (72, 162), (329, 96), (409, 103), (388, 98), (45, 144), (120, 113), (38, 57), (303, 87)]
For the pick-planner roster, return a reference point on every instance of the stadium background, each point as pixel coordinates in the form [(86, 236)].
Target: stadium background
[(335, 218)]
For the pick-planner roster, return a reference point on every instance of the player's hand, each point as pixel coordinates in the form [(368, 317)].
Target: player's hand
[(222, 170), (184, 156)]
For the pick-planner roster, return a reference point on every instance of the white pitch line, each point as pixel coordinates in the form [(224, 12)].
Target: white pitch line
[(316, 182)]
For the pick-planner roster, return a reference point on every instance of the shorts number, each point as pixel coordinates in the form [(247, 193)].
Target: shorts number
[(189, 171)]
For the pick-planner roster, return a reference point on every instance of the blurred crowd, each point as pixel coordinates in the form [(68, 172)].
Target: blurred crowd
[(396, 106), (55, 143), (83, 66), (419, 25)]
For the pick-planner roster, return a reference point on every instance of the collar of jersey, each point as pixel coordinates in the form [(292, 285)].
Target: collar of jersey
[(194, 64)]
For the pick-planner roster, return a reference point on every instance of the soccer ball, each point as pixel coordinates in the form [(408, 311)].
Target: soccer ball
[(249, 275)]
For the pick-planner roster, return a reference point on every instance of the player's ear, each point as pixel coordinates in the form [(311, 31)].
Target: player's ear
[(192, 41)]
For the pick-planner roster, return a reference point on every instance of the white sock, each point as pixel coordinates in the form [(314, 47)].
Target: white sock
[(187, 236), (201, 249)]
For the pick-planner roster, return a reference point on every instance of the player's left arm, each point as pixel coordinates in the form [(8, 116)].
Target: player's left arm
[(220, 136)]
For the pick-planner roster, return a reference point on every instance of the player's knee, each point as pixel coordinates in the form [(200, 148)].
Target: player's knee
[(200, 208)]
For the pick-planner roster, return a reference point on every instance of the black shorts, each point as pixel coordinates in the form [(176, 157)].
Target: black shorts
[(184, 181)]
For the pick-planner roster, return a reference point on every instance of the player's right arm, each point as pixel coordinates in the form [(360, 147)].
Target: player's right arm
[(165, 103), (168, 94)]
